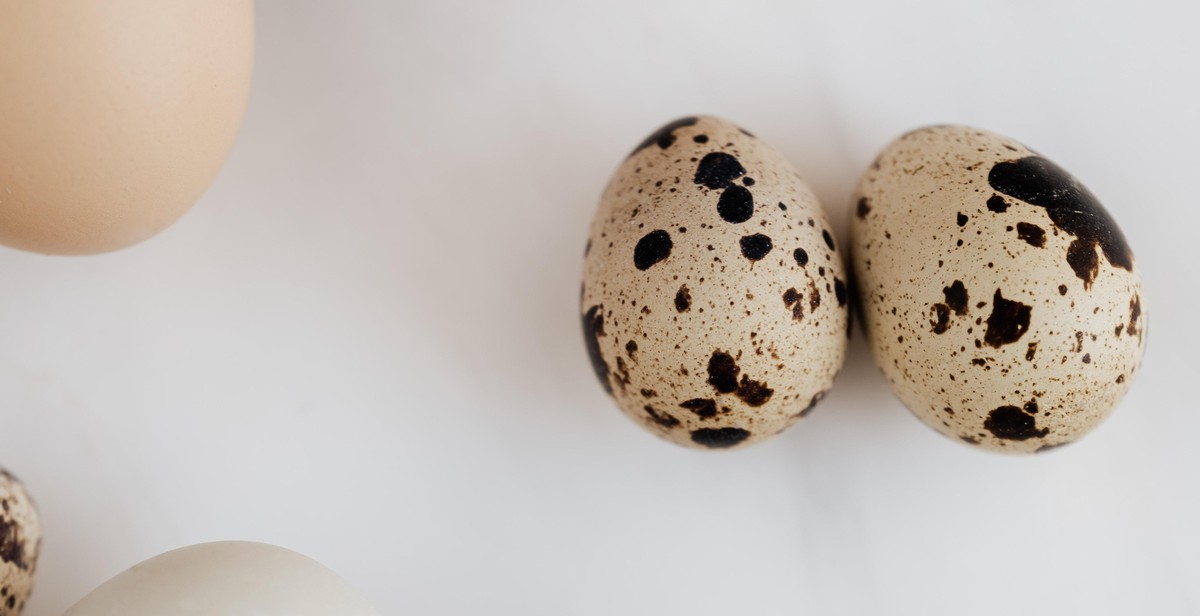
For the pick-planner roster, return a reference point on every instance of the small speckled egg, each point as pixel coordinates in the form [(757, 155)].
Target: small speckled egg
[(1001, 300), (714, 297), (20, 544)]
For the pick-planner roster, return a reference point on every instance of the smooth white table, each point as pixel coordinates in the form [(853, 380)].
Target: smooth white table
[(363, 343)]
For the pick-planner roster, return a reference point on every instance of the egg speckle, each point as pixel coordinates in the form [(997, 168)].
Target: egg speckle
[(1001, 299), (714, 297), (20, 544)]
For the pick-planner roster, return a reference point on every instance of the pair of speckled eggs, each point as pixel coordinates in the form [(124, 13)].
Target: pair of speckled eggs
[(999, 298)]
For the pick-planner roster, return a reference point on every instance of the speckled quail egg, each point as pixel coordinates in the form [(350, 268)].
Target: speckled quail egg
[(225, 578), (20, 544), (1001, 299), (714, 301)]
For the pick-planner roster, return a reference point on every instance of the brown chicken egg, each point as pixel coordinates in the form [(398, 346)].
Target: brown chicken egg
[(115, 116)]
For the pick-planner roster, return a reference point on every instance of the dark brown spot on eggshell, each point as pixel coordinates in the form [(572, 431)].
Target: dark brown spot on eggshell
[(812, 404), (723, 372), (683, 299), (828, 237), (1071, 207), (12, 543), (753, 393), (705, 408), (839, 291), (622, 373), (593, 330), (660, 418), (1135, 311), (735, 205), (755, 247), (654, 247), (665, 136), (941, 318), (719, 438), (956, 297), (1008, 322), (791, 300), (1013, 424), (718, 170), (1031, 234)]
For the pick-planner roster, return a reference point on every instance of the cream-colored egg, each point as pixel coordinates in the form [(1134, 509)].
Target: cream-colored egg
[(228, 578), (115, 116), (714, 298), (20, 544), (1001, 300)]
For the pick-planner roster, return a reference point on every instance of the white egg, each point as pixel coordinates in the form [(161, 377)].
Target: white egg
[(228, 578)]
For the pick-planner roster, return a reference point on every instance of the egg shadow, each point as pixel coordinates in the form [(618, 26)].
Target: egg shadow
[(552, 280), (823, 155), (859, 419), (503, 304)]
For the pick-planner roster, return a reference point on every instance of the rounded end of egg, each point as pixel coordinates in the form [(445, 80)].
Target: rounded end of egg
[(225, 577), (124, 120)]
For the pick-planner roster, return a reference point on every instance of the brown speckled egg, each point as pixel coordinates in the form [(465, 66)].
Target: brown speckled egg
[(1001, 300), (20, 543), (714, 296)]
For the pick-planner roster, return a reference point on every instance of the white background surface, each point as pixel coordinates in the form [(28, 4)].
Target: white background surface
[(363, 343)]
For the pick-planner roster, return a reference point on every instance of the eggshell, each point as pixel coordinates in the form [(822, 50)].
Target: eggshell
[(20, 544), (225, 578), (1002, 301), (714, 297), (115, 115)]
